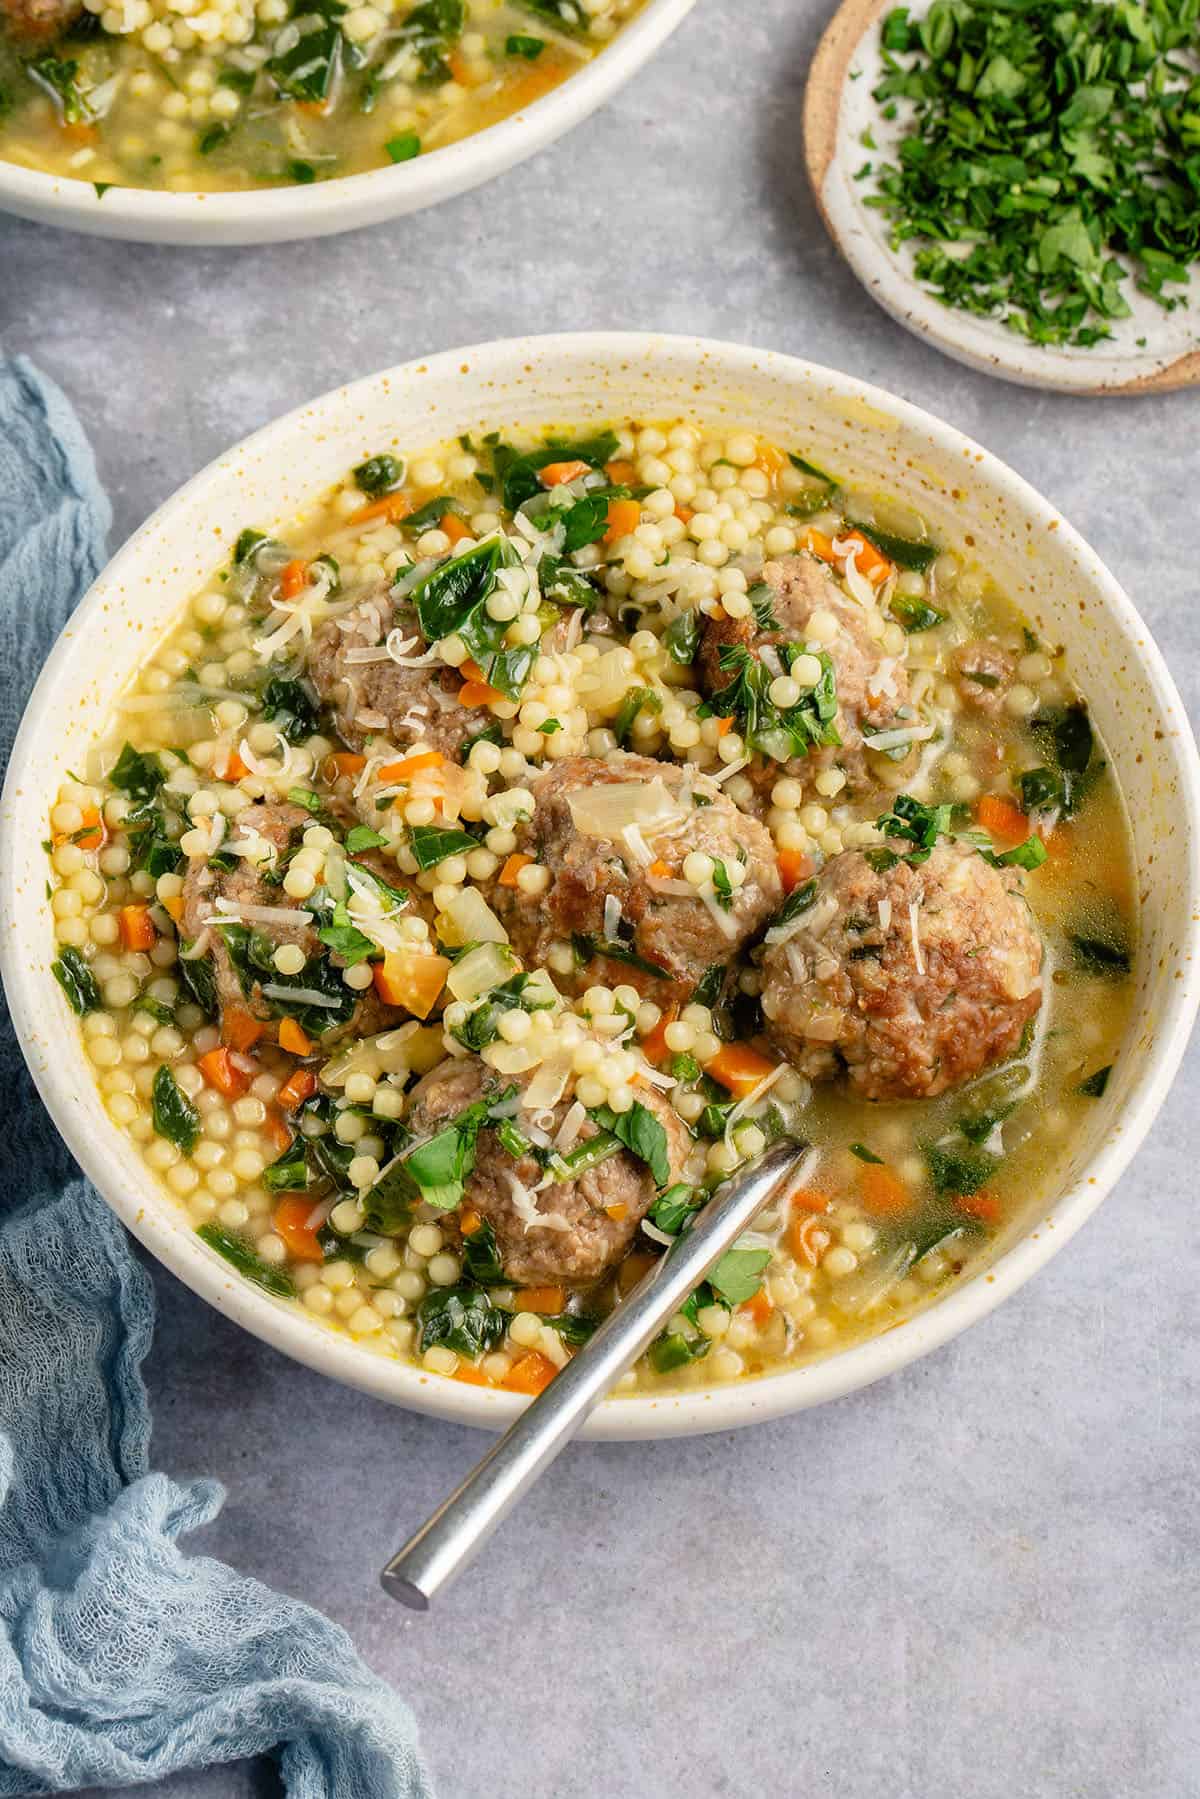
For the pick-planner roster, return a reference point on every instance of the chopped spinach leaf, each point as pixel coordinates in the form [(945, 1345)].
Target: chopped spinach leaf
[(1095, 1084), (242, 1257), (292, 708), (431, 844), (77, 981), (461, 1318), (682, 636), (641, 1133), (174, 1115)]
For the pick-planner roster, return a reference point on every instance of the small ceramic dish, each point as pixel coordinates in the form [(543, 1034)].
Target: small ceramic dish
[(876, 440), (281, 214), (1151, 351)]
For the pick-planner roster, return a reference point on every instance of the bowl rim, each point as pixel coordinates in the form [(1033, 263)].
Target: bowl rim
[(348, 201), (738, 1403)]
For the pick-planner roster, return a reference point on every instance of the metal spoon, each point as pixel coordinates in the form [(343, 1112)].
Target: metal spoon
[(462, 1524)]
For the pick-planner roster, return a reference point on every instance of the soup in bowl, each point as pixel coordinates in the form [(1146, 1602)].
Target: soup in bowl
[(542, 805)]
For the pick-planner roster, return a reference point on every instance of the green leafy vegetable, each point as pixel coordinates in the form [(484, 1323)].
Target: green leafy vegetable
[(243, 1258), (682, 635), (138, 774), (1095, 1084), (903, 551), (59, 79), (461, 1318), (517, 44), (673, 1350), (431, 514), (378, 475), (288, 1173), (738, 1275), (308, 69), (711, 985), (958, 1173), (431, 30), (672, 1209), (864, 1154), (1108, 956), (174, 1115), (481, 1257), (362, 837), (810, 468), (587, 948), (77, 981), (796, 904), (915, 615), (453, 599), (637, 700), (431, 844), (641, 1133), (517, 470), (918, 824), (199, 976), (765, 727), (247, 542), (292, 708)]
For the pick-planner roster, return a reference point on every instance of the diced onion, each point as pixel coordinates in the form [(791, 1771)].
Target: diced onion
[(480, 970), (300, 996), (469, 919), (606, 809)]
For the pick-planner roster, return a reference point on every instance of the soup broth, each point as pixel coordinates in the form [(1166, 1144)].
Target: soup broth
[(185, 96), (501, 855)]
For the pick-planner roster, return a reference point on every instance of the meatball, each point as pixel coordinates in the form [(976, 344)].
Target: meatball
[(38, 20), (872, 687), (911, 979), (602, 889), (384, 699), (282, 826), (985, 674), (591, 1220)]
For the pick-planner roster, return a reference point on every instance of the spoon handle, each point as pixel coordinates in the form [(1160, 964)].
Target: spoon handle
[(464, 1522)]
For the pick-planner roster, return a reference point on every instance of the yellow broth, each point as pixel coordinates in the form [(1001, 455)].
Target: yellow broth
[(180, 95), (900, 1198)]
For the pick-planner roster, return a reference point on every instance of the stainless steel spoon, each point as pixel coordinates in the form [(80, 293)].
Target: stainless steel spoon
[(462, 1524)]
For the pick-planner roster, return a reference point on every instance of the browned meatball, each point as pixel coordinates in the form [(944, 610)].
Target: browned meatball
[(283, 826), (872, 687), (911, 979), (985, 674), (593, 1219), (38, 20), (600, 888), (383, 699)]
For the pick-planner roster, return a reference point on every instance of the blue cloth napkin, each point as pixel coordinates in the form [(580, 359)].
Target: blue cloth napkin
[(121, 1659)]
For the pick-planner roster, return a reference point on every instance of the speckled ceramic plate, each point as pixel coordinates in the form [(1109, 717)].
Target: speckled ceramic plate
[(1151, 351), (875, 440)]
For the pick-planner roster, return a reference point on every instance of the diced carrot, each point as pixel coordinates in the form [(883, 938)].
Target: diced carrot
[(807, 1238), (239, 1027), (870, 562), (660, 870), (769, 460), (90, 835), (235, 768), (477, 693), (296, 1041), (983, 1205), (392, 506), (469, 1222), (512, 868), (684, 514), (758, 1307), (557, 474), (300, 1085), (173, 907), (532, 1374), (817, 544), (293, 578), (882, 1189), (411, 979), (620, 1211), (654, 1043), (461, 69), (342, 762), (621, 474), (277, 1130), (724, 726), (137, 928), (550, 1301), (80, 133), (473, 1376), (623, 516), (454, 528), (221, 1072), (739, 1068), (1002, 819), (411, 765), (291, 1223), (794, 867), (807, 1199)]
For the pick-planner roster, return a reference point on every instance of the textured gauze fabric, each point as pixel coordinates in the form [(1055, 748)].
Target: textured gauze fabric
[(121, 1658)]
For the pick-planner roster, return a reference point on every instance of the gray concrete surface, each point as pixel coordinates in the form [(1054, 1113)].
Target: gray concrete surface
[(977, 1580)]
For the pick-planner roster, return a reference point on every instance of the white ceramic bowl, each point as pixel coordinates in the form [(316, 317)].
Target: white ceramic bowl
[(841, 423), (279, 214)]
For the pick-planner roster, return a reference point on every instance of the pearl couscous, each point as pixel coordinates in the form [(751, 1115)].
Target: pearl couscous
[(492, 863), (201, 95)]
